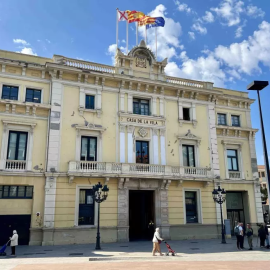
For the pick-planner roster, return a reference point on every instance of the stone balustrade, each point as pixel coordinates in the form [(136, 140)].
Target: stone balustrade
[(15, 165), (183, 82), (136, 169), (235, 175)]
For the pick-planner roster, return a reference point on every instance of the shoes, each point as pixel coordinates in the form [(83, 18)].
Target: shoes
[(250, 249)]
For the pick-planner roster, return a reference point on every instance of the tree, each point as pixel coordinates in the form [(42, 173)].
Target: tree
[(264, 194)]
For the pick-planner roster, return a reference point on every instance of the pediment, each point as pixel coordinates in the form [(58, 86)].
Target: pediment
[(189, 136)]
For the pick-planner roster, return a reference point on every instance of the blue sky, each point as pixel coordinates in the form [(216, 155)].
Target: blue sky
[(223, 41)]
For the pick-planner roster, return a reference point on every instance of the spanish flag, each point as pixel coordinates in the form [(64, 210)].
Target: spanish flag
[(134, 16), (146, 20)]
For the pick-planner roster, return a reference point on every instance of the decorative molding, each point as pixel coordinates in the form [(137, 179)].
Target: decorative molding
[(206, 184), (121, 183), (190, 136), (155, 132), (138, 86), (162, 132), (180, 183), (130, 129), (143, 132), (122, 128), (96, 80), (70, 180)]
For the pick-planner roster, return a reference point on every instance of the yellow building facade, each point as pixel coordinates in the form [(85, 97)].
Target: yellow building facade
[(160, 143)]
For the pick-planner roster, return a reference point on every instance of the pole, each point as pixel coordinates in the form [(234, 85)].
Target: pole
[(137, 33), (264, 145), (127, 37), (145, 36), (156, 41), (222, 226), (116, 29), (98, 233)]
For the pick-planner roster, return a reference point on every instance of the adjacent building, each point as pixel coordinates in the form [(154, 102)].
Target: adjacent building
[(160, 143)]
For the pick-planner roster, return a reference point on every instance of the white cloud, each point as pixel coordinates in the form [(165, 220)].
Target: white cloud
[(239, 30), (199, 28), (192, 35), (255, 12), (21, 41), (208, 17), (26, 50), (48, 40), (123, 41), (183, 7), (230, 11), (112, 51), (167, 36)]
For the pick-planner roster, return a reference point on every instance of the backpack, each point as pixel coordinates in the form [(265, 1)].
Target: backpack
[(236, 230)]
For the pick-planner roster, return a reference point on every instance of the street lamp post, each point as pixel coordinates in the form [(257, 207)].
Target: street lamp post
[(219, 196), (258, 86), (100, 194)]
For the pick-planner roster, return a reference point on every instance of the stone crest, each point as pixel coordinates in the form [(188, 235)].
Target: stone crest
[(141, 61), (142, 132)]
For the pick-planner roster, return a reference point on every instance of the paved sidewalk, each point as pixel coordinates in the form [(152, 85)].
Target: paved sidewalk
[(187, 250)]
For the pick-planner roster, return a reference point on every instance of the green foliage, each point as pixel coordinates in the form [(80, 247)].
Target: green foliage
[(264, 193)]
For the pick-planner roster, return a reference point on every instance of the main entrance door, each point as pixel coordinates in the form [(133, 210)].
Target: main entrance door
[(141, 212), (20, 223)]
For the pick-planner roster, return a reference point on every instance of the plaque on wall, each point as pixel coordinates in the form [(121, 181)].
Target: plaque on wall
[(140, 61)]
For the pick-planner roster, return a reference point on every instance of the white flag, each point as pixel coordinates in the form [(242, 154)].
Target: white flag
[(122, 16)]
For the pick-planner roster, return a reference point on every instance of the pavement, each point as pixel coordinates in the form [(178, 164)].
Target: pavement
[(190, 254)]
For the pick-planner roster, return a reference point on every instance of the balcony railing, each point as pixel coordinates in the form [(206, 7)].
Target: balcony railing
[(133, 169), (15, 165), (184, 82), (235, 175)]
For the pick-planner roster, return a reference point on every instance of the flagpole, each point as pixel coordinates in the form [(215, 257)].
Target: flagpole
[(145, 36), (116, 29), (137, 33), (127, 37), (156, 41)]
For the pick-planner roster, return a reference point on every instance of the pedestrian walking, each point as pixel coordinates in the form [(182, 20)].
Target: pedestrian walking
[(238, 231), (14, 242), (250, 236), (262, 235), (156, 243), (267, 235)]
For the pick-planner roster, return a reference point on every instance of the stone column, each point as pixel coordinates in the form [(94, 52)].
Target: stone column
[(154, 106), (122, 102), (82, 98), (98, 102), (130, 107), (130, 144), (155, 147), (122, 219), (258, 202), (122, 144), (161, 107), (162, 147), (49, 211), (180, 110)]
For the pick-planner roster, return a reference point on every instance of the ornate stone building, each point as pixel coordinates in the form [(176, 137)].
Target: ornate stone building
[(160, 143)]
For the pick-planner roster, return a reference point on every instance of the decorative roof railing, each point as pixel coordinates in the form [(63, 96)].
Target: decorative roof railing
[(184, 82)]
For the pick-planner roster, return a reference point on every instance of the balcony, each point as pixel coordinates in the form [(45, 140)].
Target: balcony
[(235, 175), (91, 168), (15, 165)]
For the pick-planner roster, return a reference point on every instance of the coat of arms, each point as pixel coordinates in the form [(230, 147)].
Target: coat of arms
[(141, 61)]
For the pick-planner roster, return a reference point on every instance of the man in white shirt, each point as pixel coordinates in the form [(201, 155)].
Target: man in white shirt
[(241, 235)]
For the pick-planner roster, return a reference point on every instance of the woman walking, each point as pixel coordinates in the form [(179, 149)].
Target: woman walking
[(262, 235), (13, 242), (156, 243)]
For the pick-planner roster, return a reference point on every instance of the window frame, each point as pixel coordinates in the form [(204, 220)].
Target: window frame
[(189, 113), (94, 105), (142, 141), (17, 144), (33, 89), (88, 142), (231, 157), (226, 120), (17, 191), (194, 158), (199, 204), (239, 120), (93, 205), (139, 106), (9, 85)]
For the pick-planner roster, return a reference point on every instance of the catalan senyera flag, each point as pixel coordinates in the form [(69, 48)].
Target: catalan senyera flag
[(155, 22), (134, 16), (146, 20)]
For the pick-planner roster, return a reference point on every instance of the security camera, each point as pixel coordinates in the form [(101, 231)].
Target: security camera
[(38, 214)]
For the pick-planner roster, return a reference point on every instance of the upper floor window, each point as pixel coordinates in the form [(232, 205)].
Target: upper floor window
[(142, 152), (17, 145), (235, 120), (10, 92), (222, 119), (16, 192), (141, 106), (89, 102), (188, 155), (186, 114), (232, 160), (86, 207), (263, 174), (33, 95), (89, 148)]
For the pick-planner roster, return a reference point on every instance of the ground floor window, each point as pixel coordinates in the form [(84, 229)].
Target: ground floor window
[(86, 207), (16, 192), (191, 207)]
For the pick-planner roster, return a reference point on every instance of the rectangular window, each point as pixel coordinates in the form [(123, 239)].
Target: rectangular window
[(10, 92), (188, 155), (142, 152), (89, 102), (263, 174), (191, 207), (16, 192), (89, 148), (141, 106), (235, 121), (232, 160), (33, 95), (186, 114), (222, 119), (17, 145), (86, 207)]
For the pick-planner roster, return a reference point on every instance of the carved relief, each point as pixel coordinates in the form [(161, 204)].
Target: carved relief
[(142, 132), (141, 61)]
